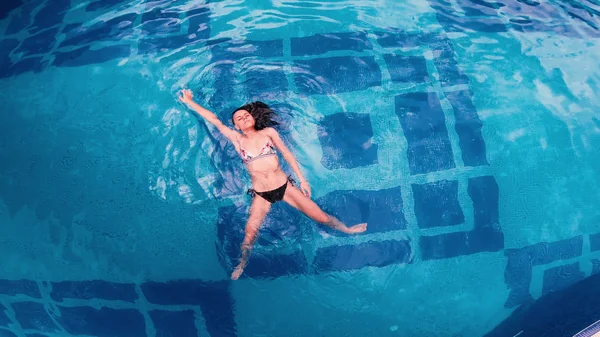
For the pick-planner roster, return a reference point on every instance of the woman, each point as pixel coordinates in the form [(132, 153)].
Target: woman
[(257, 144)]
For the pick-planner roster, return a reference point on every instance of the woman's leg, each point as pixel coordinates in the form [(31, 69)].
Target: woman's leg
[(298, 200), (258, 210)]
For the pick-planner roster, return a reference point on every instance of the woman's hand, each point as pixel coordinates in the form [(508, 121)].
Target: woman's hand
[(186, 96), (305, 188)]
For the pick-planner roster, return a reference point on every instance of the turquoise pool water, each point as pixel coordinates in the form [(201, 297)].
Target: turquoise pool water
[(465, 132)]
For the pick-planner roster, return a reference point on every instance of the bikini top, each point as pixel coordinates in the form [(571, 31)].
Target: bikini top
[(267, 151)]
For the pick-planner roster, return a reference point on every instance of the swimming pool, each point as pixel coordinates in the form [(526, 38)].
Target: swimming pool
[(465, 132)]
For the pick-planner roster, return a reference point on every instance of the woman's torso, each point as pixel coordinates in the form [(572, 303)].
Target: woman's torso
[(261, 160)]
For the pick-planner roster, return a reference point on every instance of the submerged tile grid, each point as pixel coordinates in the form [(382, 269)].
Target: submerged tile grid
[(429, 150), (171, 307)]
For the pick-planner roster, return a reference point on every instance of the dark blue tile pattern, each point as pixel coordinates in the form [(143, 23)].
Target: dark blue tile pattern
[(103, 322), (198, 22), (436, 204), (334, 75), (595, 242), (423, 122), (38, 44), (85, 55), (486, 235), (381, 209), (21, 19), (8, 6), (213, 298), (521, 261), (4, 320), (111, 30), (468, 128), (595, 266), (276, 265), (322, 43), (561, 277), (25, 287), (407, 69), (7, 333), (267, 84), (347, 141), (237, 50), (33, 315), (370, 254), (160, 21), (93, 289), (51, 14), (174, 323)]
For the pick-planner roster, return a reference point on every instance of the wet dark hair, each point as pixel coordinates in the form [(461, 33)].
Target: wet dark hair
[(261, 113)]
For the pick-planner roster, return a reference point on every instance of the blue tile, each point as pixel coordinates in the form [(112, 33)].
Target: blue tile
[(214, 299), (381, 209), (39, 44), (399, 38), (103, 322), (347, 141), (20, 20), (32, 315), (369, 254), (321, 43), (161, 21), (198, 22), (452, 23), (266, 84), (101, 5), (112, 30), (51, 14), (4, 320), (234, 51), (436, 204), (93, 289), (174, 323), (484, 193), (560, 277), (5, 62), (468, 127), (424, 126), (8, 6), (275, 265), (595, 266), (283, 221), (7, 333), (517, 276), (14, 287), (407, 69), (85, 56), (164, 44), (334, 75), (444, 246), (447, 67), (224, 75), (520, 262), (35, 64), (595, 242)]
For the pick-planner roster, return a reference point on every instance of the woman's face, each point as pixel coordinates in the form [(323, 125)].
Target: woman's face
[(242, 119)]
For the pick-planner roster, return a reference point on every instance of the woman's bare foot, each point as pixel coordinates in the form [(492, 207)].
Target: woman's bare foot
[(356, 229), (236, 273)]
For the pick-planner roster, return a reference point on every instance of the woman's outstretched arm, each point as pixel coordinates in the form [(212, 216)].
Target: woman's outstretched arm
[(289, 157), (187, 98)]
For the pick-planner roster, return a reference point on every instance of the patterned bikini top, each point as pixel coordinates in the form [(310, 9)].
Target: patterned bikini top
[(267, 151)]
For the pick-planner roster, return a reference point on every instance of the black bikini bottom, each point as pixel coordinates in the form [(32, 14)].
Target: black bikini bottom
[(275, 195)]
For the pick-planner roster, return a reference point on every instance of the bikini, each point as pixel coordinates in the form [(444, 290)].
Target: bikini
[(268, 150)]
